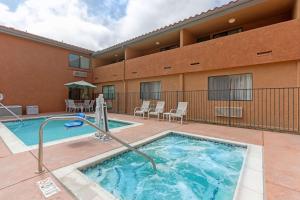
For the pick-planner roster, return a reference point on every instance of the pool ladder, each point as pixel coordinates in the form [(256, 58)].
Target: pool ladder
[(41, 133)]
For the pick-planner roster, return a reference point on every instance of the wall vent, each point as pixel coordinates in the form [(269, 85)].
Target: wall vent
[(80, 74), (264, 53), (235, 112), (195, 63)]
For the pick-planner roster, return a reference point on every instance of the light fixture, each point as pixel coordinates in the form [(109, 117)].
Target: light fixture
[(157, 43), (116, 55), (231, 20)]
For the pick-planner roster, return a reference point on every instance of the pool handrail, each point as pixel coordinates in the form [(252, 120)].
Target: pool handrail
[(41, 133), (11, 112)]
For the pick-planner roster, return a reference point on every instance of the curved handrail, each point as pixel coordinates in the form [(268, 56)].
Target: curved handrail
[(11, 112), (41, 133)]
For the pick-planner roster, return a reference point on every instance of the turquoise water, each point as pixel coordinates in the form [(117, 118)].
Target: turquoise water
[(188, 169), (54, 130)]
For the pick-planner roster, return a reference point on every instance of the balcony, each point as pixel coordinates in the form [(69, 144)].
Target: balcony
[(108, 73), (274, 43)]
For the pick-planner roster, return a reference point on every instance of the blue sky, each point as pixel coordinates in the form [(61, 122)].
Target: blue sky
[(97, 24)]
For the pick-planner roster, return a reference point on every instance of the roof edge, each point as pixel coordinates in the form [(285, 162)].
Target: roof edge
[(44, 40)]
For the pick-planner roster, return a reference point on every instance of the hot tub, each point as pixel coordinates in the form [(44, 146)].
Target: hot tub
[(17, 109)]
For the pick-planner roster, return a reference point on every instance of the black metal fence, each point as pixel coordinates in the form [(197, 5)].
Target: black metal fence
[(264, 108)]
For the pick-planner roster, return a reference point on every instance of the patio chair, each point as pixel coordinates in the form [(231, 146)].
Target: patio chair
[(159, 109), (86, 105), (91, 105), (143, 109), (67, 105), (72, 106), (180, 112)]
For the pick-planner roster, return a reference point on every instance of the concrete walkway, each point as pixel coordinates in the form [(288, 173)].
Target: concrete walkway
[(281, 158)]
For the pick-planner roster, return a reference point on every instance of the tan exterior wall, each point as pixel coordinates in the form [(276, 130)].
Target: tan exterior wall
[(108, 73), (275, 75), (34, 73)]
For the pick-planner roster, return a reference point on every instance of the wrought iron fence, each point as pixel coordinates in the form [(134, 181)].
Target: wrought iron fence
[(263, 108)]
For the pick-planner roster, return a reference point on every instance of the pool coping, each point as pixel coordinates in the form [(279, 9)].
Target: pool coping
[(16, 145), (250, 181)]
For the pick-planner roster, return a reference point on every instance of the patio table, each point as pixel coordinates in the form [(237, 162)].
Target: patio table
[(167, 115)]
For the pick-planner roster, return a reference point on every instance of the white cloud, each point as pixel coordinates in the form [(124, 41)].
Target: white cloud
[(71, 22)]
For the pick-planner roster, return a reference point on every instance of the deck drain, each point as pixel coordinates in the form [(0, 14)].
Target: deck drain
[(48, 187)]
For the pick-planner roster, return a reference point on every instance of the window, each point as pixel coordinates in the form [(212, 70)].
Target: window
[(84, 62), (225, 33), (79, 61), (150, 90), (74, 60), (232, 87), (108, 92)]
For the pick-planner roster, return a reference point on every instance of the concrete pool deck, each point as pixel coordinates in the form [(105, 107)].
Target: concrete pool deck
[(281, 156)]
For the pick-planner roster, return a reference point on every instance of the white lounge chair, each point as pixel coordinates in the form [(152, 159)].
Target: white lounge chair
[(159, 109), (180, 112), (143, 109)]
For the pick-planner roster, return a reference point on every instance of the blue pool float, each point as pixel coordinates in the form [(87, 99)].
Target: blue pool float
[(75, 123)]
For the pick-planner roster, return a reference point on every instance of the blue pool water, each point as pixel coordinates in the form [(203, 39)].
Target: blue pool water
[(54, 130), (188, 169)]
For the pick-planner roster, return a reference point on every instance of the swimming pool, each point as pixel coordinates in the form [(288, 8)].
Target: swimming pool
[(28, 131), (188, 168)]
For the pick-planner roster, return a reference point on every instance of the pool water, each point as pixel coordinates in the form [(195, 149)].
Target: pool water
[(28, 131), (188, 169)]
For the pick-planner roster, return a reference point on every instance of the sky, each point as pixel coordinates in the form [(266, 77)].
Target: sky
[(97, 24)]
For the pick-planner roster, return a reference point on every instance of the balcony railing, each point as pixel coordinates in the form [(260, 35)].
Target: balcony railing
[(276, 109)]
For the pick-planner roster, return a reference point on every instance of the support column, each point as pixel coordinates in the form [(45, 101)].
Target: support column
[(298, 73), (180, 96), (186, 38), (296, 11)]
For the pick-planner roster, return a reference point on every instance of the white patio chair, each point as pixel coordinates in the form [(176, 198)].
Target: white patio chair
[(67, 105), (143, 109), (72, 106), (159, 109), (86, 105), (180, 112), (91, 105)]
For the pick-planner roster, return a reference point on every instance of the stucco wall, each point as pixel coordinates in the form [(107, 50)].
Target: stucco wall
[(34, 73)]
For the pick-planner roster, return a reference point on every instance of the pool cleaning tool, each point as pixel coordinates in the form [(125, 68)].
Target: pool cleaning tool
[(75, 123), (11, 112)]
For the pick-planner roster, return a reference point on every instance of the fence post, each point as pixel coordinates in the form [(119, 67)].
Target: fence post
[(117, 102), (229, 106)]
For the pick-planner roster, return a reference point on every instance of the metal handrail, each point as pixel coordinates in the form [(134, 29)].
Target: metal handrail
[(41, 133), (11, 112)]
